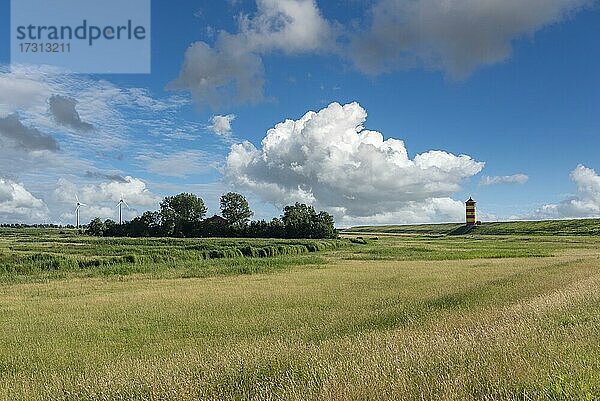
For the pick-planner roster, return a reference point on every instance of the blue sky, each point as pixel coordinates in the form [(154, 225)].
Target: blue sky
[(512, 86)]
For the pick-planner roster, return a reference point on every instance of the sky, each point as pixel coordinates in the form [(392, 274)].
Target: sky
[(378, 111)]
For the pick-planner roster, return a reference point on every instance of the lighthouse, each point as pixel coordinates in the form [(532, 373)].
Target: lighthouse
[(471, 214)]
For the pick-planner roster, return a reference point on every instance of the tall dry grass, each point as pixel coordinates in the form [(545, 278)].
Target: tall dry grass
[(512, 328)]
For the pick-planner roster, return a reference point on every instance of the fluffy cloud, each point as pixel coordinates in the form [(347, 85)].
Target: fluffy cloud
[(220, 76), (19, 205), (13, 132), (328, 159), (134, 190), (64, 112), (292, 26), (232, 70), (455, 36), (427, 210), (504, 179), (101, 199), (585, 204), (221, 125)]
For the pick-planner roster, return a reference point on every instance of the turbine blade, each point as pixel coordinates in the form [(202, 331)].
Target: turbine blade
[(126, 205), (77, 198), (82, 204)]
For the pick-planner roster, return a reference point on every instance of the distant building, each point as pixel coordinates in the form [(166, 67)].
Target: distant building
[(471, 212), (217, 220), (215, 226)]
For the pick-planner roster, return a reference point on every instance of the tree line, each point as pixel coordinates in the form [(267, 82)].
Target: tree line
[(184, 215), (35, 225)]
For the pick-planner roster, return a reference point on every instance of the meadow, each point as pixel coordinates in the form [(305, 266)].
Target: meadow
[(513, 317), (581, 227), (28, 255)]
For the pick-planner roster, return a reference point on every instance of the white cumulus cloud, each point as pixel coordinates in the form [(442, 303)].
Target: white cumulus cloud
[(101, 199), (18, 205), (585, 204), (427, 210), (221, 125), (328, 159), (232, 71)]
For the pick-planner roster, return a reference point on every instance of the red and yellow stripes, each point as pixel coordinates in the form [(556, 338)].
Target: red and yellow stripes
[(471, 215)]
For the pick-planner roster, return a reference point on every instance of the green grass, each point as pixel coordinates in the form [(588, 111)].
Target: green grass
[(429, 229), (456, 248), (550, 227), (416, 317), (30, 254)]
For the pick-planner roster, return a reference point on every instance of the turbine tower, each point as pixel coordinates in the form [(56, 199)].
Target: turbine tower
[(120, 206), (79, 204)]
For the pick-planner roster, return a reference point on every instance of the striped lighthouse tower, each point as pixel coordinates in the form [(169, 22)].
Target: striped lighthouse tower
[(471, 213)]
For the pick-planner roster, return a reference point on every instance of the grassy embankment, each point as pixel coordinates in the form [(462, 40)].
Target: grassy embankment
[(453, 318), (586, 227)]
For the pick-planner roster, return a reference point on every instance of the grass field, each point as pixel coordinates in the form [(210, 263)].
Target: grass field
[(584, 227), (37, 255), (400, 317)]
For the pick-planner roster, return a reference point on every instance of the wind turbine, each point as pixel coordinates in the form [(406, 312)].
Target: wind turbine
[(120, 206), (79, 204)]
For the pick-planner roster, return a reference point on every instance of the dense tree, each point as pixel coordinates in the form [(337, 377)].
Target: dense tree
[(277, 228), (265, 229), (148, 224), (302, 221), (258, 229), (215, 226), (181, 214), (235, 209), (298, 220), (324, 226), (96, 227), (112, 229)]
